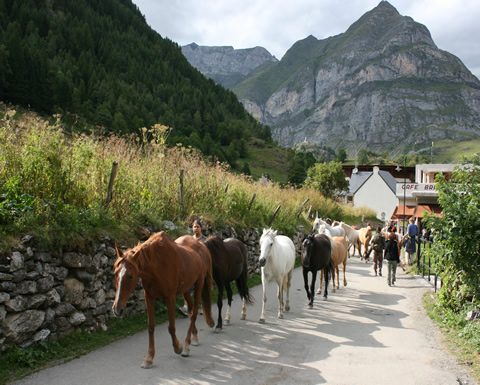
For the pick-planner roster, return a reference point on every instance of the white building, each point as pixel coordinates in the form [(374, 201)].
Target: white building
[(374, 189), (398, 198)]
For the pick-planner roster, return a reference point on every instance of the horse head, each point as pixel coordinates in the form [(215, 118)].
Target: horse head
[(126, 275), (307, 246), (266, 242)]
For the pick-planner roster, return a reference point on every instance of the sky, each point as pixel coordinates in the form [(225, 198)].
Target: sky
[(277, 24)]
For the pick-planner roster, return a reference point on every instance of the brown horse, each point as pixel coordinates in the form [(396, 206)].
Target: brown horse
[(229, 263), (167, 269), (339, 256), (364, 236)]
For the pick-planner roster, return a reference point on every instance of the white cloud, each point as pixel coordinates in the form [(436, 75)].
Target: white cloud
[(277, 25)]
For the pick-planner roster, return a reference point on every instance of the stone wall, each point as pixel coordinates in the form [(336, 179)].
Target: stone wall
[(45, 295)]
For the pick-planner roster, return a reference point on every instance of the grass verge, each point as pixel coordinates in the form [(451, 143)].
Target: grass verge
[(461, 337)]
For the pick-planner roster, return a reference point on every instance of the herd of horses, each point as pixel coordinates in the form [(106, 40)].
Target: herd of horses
[(169, 268)]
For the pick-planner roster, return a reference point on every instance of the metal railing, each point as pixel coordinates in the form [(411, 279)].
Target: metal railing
[(424, 266)]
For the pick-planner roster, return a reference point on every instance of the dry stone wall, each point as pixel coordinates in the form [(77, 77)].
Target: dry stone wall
[(45, 295)]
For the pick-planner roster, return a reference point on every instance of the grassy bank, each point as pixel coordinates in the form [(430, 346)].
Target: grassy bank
[(53, 184)]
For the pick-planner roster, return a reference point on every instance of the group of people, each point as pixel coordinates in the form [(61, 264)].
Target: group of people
[(389, 249)]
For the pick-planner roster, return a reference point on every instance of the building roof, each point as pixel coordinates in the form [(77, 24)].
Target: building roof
[(357, 180), (389, 180)]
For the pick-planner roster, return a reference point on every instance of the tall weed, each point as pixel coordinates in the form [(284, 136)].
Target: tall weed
[(51, 180)]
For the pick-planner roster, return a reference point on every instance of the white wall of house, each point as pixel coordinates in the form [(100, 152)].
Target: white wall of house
[(376, 194)]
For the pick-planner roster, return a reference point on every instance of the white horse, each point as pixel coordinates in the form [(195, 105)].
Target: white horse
[(352, 236), (277, 259), (335, 231)]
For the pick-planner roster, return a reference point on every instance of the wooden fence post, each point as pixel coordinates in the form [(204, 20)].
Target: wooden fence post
[(226, 189), (113, 175), (182, 207), (251, 202), (274, 214), (301, 207), (309, 210)]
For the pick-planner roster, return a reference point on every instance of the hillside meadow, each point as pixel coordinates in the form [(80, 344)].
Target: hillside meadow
[(53, 184)]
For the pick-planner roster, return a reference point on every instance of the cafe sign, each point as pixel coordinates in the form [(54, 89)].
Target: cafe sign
[(413, 189)]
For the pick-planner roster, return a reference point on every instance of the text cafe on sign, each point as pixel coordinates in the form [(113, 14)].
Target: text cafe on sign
[(413, 189)]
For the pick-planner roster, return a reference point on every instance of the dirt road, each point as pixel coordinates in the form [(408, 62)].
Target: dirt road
[(366, 333)]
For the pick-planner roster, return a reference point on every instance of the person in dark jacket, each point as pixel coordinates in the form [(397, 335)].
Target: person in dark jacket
[(378, 244), (392, 256), (410, 239)]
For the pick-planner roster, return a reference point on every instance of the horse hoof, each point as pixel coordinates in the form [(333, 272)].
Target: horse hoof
[(243, 317), (186, 352), (319, 291), (178, 349), (280, 316), (325, 298), (262, 320), (195, 341), (147, 364), (310, 306), (287, 308), (217, 330), (226, 322)]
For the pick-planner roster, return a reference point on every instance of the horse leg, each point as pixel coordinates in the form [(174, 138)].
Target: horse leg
[(333, 279), (264, 299), (337, 270), (229, 299), (177, 346), (312, 288), (344, 278), (327, 269), (289, 283), (305, 282), (150, 304), (243, 316), (280, 297), (319, 291), (193, 318), (219, 327)]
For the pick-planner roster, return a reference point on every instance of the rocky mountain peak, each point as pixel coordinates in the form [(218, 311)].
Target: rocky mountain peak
[(226, 65), (382, 85)]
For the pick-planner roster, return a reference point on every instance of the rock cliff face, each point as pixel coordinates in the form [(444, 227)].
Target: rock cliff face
[(226, 65), (383, 85)]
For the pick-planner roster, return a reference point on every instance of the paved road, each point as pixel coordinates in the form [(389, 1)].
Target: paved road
[(366, 333)]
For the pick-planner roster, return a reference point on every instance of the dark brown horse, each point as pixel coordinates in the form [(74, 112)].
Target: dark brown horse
[(167, 269), (316, 255), (229, 263)]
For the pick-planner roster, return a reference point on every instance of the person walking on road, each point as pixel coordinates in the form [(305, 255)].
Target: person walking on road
[(378, 244), (410, 244), (199, 236), (392, 256)]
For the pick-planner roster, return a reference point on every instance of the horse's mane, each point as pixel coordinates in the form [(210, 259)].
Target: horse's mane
[(215, 244), (144, 253), (268, 233)]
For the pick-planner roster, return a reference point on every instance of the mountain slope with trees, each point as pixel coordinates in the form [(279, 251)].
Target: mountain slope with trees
[(98, 62)]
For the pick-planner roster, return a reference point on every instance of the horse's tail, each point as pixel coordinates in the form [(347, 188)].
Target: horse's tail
[(242, 284), (207, 296), (243, 290), (327, 270)]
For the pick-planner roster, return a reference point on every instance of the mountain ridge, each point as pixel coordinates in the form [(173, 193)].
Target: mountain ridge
[(383, 84)]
